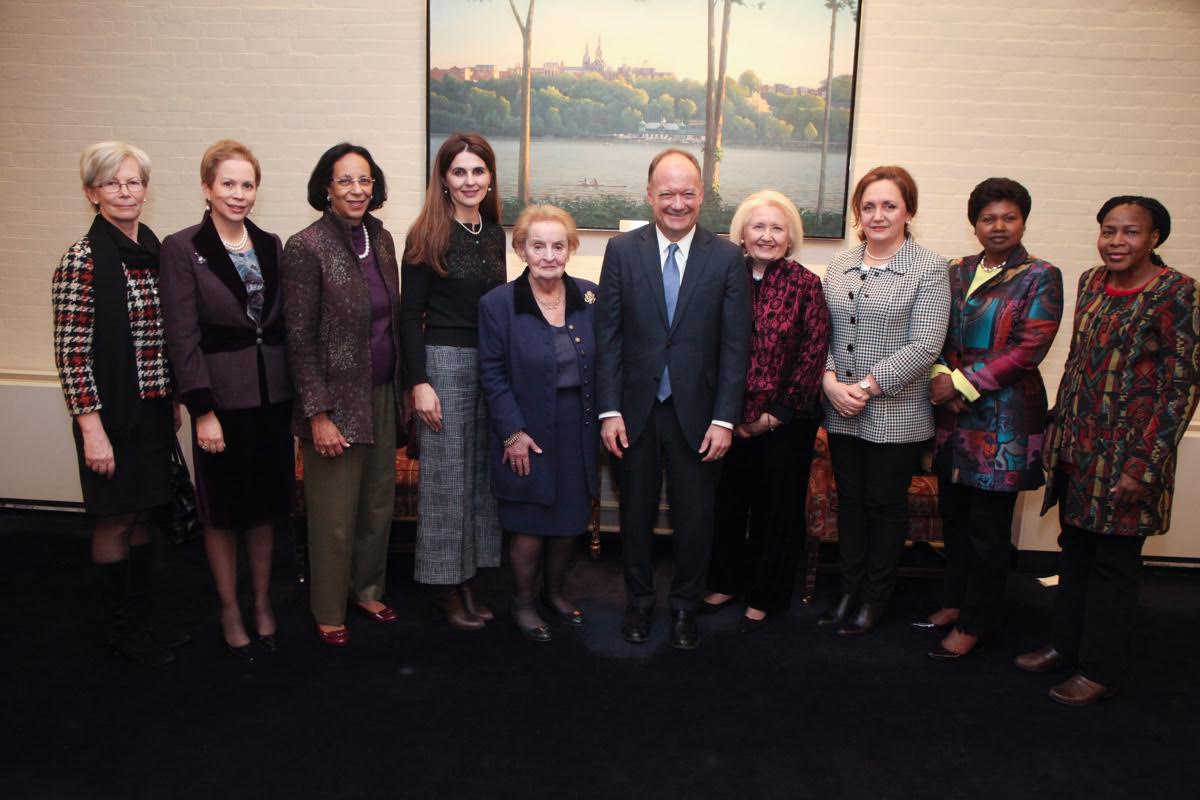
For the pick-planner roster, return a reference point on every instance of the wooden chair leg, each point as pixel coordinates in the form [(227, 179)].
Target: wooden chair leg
[(812, 549)]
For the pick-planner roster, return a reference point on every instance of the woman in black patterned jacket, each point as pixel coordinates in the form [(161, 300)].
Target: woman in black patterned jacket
[(112, 361)]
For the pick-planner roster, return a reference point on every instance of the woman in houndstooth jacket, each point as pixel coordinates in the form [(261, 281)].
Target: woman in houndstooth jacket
[(889, 302)]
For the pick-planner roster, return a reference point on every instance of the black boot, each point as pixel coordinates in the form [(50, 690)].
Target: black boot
[(128, 636), (839, 612), (864, 621), (139, 595)]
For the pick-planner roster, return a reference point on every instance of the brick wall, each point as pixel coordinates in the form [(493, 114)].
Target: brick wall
[(1078, 99)]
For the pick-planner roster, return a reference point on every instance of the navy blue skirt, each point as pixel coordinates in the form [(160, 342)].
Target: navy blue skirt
[(568, 515)]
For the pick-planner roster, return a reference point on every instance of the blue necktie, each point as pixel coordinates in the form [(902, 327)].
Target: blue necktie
[(671, 294)]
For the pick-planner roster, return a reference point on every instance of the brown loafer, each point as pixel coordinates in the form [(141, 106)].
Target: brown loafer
[(1079, 691), (1044, 660)]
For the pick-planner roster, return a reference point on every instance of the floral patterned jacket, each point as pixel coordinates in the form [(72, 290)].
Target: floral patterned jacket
[(788, 345), (996, 339), (1128, 391)]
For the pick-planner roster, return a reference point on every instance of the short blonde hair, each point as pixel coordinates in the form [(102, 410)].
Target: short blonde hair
[(768, 197), (100, 162), (226, 150), (543, 213)]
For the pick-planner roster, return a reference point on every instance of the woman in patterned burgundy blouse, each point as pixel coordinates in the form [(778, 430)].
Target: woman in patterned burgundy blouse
[(1128, 391), (112, 361), (764, 482)]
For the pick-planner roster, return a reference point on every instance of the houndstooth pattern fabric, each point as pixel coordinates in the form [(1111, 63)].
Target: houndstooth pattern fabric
[(74, 301), (889, 322), (458, 529)]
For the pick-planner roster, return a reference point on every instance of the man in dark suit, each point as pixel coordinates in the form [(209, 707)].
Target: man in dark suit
[(673, 339)]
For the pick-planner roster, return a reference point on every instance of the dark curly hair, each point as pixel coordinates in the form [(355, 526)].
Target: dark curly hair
[(995, 189), (322, 176), (1160, 217)]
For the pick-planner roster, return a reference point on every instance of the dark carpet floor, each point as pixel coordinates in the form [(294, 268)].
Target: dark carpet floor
[(418, 710)]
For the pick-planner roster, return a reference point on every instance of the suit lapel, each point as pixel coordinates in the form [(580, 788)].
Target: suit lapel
[(650, 263), (697, 260), (208, 244)]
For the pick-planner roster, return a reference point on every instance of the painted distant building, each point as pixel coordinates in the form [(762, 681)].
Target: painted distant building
[(675, 132)]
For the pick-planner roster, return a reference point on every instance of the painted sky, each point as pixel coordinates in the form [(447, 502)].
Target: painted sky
[(785, 42)]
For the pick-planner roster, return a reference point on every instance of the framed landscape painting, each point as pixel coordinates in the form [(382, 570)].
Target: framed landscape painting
[(576, 96)]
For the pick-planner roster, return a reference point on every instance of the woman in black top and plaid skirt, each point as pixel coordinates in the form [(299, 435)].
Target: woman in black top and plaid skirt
[(454, 255)]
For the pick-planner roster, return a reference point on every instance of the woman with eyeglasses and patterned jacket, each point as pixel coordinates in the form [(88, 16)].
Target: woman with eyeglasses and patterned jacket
[(341, 302), (112, 361)]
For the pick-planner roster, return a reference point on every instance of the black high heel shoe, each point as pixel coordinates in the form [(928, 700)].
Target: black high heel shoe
[(267, 641), (244, 652), (534, 633), (572, 617)]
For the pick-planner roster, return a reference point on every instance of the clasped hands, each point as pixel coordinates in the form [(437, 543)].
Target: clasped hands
[(944, 394)]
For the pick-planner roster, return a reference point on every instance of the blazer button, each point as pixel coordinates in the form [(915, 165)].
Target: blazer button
[(852, 320), (258, 331), (571, 328), (850, 348), (258, 340), (849, 373)]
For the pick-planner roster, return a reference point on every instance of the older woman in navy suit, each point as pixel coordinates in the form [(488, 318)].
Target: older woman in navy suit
[(223, 314), (538, 370)]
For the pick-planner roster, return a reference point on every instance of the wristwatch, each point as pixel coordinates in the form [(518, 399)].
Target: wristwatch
[(865, 385)]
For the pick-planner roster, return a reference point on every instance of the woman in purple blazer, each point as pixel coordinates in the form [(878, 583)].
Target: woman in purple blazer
[(223, 313), (537, 367)]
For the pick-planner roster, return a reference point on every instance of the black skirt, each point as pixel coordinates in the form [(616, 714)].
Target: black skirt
[(142, 453), (251, 482)]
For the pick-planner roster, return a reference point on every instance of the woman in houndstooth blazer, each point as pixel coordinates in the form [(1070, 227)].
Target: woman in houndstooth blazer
[(889, 303)]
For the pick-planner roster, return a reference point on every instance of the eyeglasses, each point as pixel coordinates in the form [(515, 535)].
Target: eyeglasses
[(133, 186), (345, 182)]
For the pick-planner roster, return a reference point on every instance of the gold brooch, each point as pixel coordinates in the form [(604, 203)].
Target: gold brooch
[(589, 297)]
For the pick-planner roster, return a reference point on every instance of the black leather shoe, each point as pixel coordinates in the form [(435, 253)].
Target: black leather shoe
[(926, 625), (838, 613), (864, 621), (572, 617), (636, 625), (712, 608), (244, 652), (748, 625), (268, 642), (684, 633), (939, 653)]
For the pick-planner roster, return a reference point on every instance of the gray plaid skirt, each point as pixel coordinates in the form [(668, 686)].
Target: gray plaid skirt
[(458, 530)]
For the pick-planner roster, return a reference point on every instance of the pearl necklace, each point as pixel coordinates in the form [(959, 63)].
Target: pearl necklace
[(551, 306), (983, 265), (367, 250), (886, 258), (472, 228), (241, 244)]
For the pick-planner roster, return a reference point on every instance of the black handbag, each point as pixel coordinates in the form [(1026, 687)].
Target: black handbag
[(179, 519)]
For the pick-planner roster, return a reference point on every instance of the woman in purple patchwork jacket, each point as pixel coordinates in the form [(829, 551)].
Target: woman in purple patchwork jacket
[(759, 528), (990, 408)]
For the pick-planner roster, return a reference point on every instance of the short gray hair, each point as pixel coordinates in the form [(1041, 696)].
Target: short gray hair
[(100, 162), (769, 197)]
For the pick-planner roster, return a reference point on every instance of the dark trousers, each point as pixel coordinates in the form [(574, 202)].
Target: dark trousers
[(1095, 611), (872, 486), (759, 530), (977, 533), (691, 487)]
